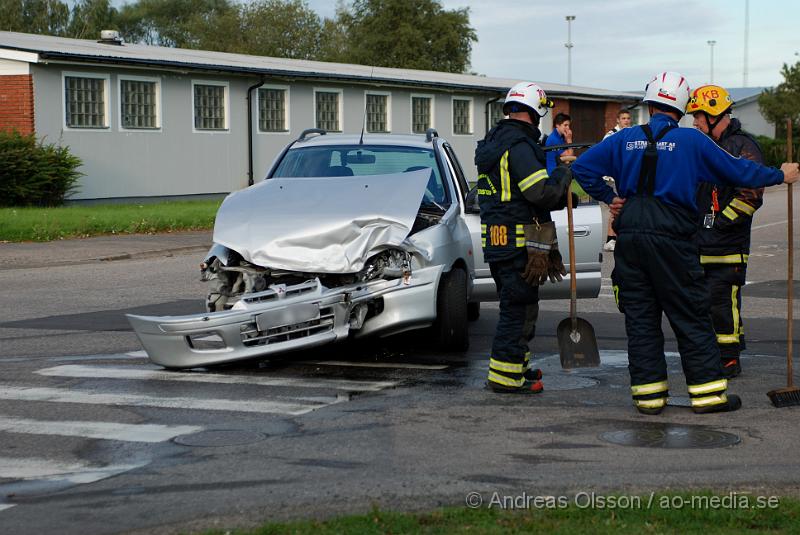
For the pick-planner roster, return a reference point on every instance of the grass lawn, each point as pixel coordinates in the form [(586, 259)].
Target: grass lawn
[(680, 513), (45, 224)]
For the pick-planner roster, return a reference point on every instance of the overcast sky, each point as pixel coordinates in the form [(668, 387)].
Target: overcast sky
[(620, 44)]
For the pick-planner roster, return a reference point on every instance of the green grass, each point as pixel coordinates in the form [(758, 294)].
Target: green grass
[(700, 520), (45, 224)]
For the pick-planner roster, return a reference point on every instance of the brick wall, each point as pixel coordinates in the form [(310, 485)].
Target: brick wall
[(16, 103), (612, 108)]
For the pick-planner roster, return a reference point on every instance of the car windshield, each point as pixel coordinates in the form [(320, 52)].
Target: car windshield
[(334, 160)]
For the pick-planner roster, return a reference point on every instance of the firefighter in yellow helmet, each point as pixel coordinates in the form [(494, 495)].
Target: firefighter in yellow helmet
[(727, 214)]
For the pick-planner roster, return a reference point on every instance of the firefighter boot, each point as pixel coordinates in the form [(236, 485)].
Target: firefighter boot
[(733, 403)]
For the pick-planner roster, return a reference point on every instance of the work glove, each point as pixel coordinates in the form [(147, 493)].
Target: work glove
[(555, 265), (539, 238)]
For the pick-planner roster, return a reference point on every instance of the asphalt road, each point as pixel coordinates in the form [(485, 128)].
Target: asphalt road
[(95, 439)]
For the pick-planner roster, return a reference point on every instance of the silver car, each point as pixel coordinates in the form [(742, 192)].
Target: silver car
[(348, 236)]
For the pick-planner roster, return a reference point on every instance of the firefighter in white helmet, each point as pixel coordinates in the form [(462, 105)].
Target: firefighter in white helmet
[(657, 168), (519, 237)]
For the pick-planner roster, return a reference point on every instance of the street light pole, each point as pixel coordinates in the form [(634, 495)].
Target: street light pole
[(570, 18), (711, 45)]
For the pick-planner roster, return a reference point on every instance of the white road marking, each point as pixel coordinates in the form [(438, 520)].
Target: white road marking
[(356, 364), (64, 395), (4, 506), (110, 372), (47, 470), (784, 222), (102, 430)]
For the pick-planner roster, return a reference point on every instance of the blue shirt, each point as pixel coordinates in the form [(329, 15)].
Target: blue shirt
[(552, 155), (686, 157)]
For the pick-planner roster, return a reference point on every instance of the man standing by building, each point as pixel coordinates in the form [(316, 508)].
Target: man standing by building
[(727, 215), (561, 134), (623, 121), (516, 195), (657, 270)]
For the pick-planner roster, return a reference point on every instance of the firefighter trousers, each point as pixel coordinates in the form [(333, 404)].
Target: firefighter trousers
[(519, 309), (725, 282), (655, 273)]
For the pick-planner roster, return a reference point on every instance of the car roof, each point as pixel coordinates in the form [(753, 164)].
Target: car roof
[(405, 140)]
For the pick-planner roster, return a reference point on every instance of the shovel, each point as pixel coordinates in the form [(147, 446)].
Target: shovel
[(576, 341)]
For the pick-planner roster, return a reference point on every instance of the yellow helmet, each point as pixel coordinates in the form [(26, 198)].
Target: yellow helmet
[(712, 99)]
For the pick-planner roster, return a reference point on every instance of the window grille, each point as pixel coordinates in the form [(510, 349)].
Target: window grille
[(461, 116), (209, 107), (420, 114), (138, 101), (377, 116), (272, 110), (85, 102), (328, 111)]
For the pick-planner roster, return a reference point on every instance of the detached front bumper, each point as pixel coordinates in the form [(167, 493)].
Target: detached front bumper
[(284, 318)]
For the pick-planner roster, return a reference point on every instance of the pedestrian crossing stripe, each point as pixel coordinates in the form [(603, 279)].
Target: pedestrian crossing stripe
[(130, 372), (102, 430), (47, 470)]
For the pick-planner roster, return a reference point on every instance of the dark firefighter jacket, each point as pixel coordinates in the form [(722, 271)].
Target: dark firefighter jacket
[(514, 188), (728, 240)]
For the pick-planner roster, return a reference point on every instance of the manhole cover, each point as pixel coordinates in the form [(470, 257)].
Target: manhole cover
[(219, 438), (670, 436)]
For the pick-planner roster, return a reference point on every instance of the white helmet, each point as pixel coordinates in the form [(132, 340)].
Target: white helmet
[(529, 95), (669, 89)]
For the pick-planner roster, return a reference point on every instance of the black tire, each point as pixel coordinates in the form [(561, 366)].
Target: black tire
[(450, 328), (473, 311)]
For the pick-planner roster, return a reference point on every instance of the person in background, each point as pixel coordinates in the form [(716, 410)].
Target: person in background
[(561, 134), (623, 121), (727, 214)]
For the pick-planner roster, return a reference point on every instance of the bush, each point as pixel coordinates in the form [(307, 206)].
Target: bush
[(34, 173), (775, 150)]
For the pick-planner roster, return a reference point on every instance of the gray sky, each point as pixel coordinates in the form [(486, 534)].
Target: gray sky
[(619, 44)]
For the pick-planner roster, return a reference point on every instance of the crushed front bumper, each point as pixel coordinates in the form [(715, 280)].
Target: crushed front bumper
[(284, 318)]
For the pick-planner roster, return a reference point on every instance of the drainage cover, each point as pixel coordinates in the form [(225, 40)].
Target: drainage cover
[(669, 436), (222, 437)]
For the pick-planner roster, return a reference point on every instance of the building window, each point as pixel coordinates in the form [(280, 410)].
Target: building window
[(421, 113), (462, 116), (377, 112), (272, 107), (496, 113), (209, 107), (327, 106), (85, 100), (139, 104)]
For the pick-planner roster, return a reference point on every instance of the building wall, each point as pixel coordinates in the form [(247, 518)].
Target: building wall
[(752, 120), (16, 97)]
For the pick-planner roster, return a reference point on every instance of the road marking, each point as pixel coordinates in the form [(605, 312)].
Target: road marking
[(111, 372), (4, 506), (403, 365), (102, 430), (46, 470), (63, 395), (784, 222)]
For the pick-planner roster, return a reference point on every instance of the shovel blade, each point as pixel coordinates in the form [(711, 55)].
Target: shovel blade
[(578, 347)]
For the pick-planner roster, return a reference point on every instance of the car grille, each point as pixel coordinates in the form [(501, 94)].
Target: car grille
[(281, 291), (251, 336)]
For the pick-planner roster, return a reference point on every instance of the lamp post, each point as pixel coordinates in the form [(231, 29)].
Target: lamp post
[(711, 45), (570, 18)]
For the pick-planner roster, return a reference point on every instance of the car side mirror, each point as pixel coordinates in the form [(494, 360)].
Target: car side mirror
[(471, 205)]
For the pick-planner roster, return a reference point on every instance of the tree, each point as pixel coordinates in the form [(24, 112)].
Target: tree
[(280, 28), (414, 34), (90, 17), (50, 17), (783, 101)]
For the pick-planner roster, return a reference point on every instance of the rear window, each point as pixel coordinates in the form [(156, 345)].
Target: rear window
[(362, 160)]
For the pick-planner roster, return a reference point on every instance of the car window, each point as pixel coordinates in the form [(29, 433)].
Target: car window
[(363, 160)]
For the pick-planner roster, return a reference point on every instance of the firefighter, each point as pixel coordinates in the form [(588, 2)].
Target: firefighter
[(519, 237), (657, 270), (726, 214)]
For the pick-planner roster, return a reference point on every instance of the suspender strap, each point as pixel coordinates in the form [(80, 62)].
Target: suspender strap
[(647, 175)]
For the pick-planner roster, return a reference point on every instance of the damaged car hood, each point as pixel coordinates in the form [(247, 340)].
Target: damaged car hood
[(320, 225)]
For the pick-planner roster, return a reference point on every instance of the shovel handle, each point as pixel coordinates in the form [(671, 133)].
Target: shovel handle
[(573, 283), (790, 265)]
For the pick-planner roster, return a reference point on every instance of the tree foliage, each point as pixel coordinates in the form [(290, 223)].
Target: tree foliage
[(783, 101), (414, 34)]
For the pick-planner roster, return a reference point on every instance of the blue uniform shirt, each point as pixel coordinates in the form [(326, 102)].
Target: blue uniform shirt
[(552, 155), (686, 156)]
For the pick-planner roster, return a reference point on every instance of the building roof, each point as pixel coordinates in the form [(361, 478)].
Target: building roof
[(743, 95), (49, 48)]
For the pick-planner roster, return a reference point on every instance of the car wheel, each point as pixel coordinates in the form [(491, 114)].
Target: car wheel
[(450, 328), (473, 311)]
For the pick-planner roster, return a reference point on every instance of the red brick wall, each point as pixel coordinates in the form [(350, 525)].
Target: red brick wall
[(612, 108), (560, 106), (16, 103)]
